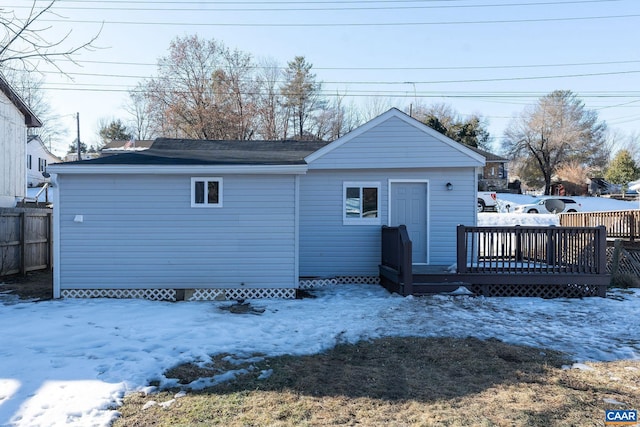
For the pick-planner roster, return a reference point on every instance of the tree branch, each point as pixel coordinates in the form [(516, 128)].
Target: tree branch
[(23, 42)]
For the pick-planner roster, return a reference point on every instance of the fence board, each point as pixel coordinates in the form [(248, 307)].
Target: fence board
[(25, 240), (619, 224)]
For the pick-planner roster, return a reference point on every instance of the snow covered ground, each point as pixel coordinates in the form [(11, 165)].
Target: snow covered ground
[(589, 204), (69, 362)]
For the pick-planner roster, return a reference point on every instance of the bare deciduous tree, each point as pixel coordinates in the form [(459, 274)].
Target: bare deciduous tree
[(202, 91), (271, 122), (139, 109), (374, 106), (335, 119), (237, 91), (555, 131)]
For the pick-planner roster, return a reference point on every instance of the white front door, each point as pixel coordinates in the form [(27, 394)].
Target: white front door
[(409, 207)]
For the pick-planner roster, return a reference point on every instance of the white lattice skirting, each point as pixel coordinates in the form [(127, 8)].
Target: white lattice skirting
[(315, 283), (236, 294), (151, 294), (218, 294)]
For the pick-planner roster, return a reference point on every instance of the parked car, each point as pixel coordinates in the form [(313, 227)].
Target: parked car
[(549, 204), (487, 201)]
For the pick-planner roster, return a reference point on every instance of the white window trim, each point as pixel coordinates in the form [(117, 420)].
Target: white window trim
[(206, 180), (360, 221)]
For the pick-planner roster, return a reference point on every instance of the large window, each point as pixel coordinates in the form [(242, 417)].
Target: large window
[(206, 192), (361, 203)]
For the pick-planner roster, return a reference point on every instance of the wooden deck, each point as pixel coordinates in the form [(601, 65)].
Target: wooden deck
[(504, 261)]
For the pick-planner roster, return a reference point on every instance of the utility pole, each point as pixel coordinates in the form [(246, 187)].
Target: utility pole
[(415, 98), (78, 125)]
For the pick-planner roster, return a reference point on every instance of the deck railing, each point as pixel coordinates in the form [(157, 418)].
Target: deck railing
[(619, 224), (396, 254), (523, 249)]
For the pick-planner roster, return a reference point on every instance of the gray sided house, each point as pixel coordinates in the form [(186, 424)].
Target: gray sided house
[(243, 219)]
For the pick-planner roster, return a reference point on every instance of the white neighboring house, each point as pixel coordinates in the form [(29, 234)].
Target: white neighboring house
[(38, 157), (73, 157), (15, 118)]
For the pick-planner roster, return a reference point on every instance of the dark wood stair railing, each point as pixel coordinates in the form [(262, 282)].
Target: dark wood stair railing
[(396, 255)]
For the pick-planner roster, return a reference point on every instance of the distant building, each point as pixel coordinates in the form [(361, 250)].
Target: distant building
[(118, 147), (493, 175), (38, 157)]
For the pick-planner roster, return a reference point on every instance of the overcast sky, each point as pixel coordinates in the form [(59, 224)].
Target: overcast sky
[(491, 57)]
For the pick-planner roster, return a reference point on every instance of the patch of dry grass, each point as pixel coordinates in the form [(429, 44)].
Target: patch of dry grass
[(400, 382)]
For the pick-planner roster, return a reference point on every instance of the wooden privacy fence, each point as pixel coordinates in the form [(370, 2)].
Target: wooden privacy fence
[(619, 224), (25, 240)]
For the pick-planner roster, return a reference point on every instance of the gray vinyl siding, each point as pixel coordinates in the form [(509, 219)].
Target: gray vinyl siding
[(140, 231), (329, 248), (395, 144)]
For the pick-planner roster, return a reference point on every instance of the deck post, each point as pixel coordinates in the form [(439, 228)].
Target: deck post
[(601, 246), (518, 235), (405, 248), (551, 247), (461, 250)]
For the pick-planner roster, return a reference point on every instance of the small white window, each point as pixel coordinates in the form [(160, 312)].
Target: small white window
[(206, 192), (361, 203)]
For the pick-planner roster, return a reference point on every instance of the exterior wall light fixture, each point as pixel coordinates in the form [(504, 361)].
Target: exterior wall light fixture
[(449, 186)]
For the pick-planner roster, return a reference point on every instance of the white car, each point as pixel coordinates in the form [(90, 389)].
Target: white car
[(549, 204)]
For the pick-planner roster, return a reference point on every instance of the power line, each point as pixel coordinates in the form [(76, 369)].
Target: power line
[(323, 2), (344, 24), (471, 67), (395, 83), (370, 92), (269, 6)]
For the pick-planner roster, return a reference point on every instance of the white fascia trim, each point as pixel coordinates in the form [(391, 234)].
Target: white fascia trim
[(296, 232), (56, 237), (394, 112), (178, 169)]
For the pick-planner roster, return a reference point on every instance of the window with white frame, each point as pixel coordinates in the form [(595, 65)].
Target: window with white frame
[(206, 192), (42, 165), (29, 161), (361, 203)]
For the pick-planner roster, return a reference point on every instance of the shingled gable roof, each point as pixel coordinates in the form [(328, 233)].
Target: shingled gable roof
[(489, 156), (30, 118), (394, 112), (167, 151)]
